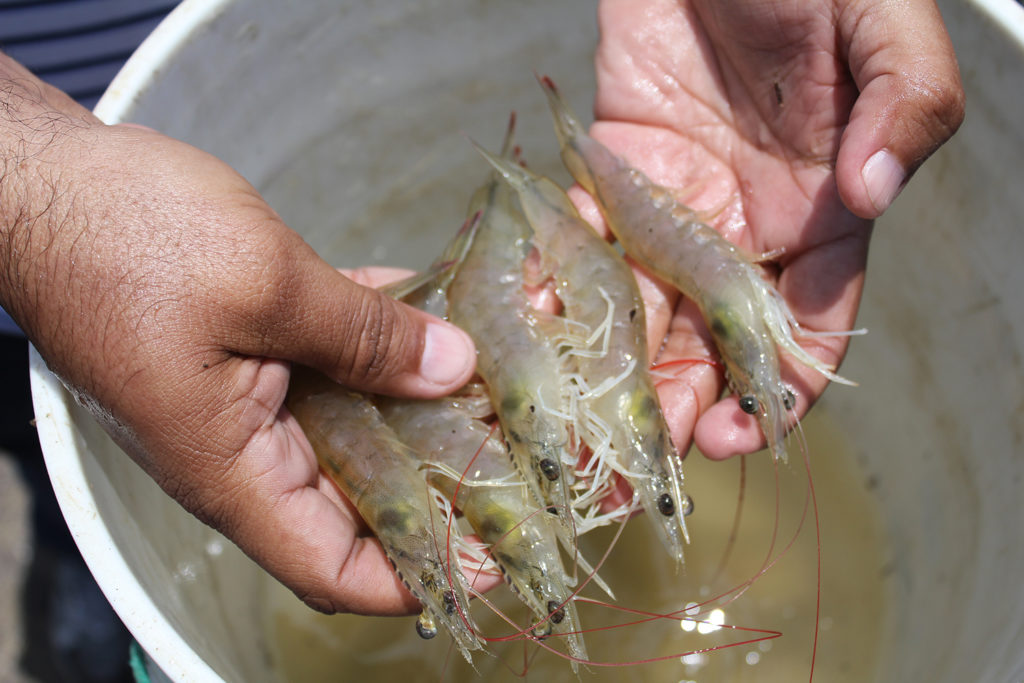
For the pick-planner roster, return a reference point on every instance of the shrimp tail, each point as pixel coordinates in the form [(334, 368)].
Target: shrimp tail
[(576, 146), (428, 290), (515, 176), (567, 125), (508, 146)]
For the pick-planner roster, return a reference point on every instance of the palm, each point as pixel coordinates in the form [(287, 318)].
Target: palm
[(748, 131)]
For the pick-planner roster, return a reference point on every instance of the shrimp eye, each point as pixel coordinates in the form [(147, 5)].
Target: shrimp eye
[(556, 612), (425, 627), (687, 506), (788, 399), (550, 469), (666, 505), (748, 404)]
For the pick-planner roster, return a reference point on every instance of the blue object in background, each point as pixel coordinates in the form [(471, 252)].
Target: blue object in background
[(8, 326), (77, 45)]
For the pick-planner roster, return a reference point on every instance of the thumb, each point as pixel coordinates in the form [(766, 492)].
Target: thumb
[(358, 336), (911, 100)]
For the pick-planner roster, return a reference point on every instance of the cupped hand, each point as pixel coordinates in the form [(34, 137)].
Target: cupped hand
[(791, 125), (171, 300)]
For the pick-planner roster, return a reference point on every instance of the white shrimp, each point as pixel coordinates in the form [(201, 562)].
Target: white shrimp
[(747, 317), (516, 357), (623, 417), (379, 474)]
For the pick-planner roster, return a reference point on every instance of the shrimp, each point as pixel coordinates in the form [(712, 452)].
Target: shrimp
[(428, 291), (451, 439), (747, 317), (619, 394), (356, 449), (516, 357), (469, 464)]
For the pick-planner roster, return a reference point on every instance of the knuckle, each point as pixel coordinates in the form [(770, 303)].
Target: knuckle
[(376, 341), (944, 104), (318, 600), (940, 105), (955, 101)]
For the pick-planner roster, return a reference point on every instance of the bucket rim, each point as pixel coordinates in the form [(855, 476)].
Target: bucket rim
[(52, 402)]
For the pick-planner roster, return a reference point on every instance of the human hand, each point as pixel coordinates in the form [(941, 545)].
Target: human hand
[(794, 124), (171, 301)]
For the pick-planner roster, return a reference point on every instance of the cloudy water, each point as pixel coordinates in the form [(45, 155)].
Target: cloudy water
[(760, 532)]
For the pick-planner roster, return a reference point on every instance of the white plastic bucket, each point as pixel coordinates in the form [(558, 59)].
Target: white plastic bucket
[(350, 116)]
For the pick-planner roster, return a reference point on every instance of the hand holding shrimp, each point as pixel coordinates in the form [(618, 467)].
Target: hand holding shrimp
[(170, 299), (789, 145)]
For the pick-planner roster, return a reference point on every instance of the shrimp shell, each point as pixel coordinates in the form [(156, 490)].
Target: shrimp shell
[(624, 412), (515, 355), (747, 317), (379, 474), (490, 495)]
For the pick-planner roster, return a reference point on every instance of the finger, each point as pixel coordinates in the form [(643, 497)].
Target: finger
[(588, 210), (376, 276), (242, 464), (307, 312), (687, 376), (911, 99), (620, 496)]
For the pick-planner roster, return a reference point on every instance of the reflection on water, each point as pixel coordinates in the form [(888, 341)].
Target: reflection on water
[(709, 602)]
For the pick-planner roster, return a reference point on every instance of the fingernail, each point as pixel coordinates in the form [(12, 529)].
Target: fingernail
[(883, 177), (447, 354)]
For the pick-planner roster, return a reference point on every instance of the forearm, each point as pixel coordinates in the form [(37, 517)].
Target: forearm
[(79, 237), (39, 127)]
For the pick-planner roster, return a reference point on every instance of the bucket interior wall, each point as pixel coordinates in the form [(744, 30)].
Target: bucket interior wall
[(355, 133)]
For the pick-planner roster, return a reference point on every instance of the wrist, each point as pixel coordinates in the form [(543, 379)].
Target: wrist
[(40, 128)]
